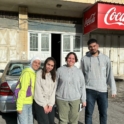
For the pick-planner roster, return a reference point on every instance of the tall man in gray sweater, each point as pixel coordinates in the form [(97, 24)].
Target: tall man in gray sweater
[(98, 74)]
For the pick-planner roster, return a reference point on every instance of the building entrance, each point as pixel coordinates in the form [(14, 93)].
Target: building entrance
[(55, 48)]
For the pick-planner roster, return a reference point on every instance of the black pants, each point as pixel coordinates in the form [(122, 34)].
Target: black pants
[(42, 117)]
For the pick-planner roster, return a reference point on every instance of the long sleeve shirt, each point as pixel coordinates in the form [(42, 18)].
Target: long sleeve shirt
[(44, 90), (98, 73), (71, 84), (27, 78)]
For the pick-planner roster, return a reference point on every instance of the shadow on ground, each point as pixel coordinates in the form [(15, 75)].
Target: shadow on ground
[(10, 118)]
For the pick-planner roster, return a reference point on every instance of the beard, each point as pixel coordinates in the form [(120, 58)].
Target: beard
[(93, 52)]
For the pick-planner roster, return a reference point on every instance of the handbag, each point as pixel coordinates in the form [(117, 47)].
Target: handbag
[(28, 93)]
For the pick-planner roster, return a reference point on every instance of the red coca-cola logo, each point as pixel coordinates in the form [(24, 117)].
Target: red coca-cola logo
[(112, 17), (90, 20)]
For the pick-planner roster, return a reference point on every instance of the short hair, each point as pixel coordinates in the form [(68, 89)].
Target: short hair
[(76, 59), (91, 41)]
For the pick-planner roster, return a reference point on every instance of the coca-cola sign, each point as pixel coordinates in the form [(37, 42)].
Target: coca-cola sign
[(90, 20), (112, 17), (104, 16)]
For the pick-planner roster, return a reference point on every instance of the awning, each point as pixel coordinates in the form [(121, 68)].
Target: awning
[(103, 16)]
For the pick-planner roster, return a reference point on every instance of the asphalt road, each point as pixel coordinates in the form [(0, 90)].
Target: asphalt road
[(115, 111)]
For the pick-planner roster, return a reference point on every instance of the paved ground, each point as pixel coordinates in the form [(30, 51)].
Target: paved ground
[(115, 111), (115, 114)]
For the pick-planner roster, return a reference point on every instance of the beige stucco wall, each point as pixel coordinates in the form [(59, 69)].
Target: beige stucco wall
[(13, 41), (23, 32), (9, 42)]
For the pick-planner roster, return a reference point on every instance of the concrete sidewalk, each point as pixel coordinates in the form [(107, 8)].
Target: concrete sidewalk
[(115, 114)]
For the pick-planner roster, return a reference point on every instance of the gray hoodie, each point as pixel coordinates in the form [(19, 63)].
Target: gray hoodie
[(98, 72), (71, 84)]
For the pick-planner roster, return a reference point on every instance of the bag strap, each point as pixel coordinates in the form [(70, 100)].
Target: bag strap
[(18, 82)]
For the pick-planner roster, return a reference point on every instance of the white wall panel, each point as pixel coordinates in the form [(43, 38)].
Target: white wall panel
[(3, 54), (114, 53), (9, 46), (121, 55), (93, 36), (107, 47), (4, 36), (101, 42), (85, 47)]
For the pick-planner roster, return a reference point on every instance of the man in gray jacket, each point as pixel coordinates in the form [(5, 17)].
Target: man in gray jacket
[(98, 74)]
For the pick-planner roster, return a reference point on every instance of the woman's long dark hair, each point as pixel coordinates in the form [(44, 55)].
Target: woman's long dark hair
[(53, 71)]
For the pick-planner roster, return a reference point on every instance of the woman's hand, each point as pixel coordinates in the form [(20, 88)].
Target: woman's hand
[(84, 104), (19, 112), (50, 108), (46, 109)]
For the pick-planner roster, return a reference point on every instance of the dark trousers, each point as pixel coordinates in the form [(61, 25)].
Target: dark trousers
[(42, 117), (102, 101)]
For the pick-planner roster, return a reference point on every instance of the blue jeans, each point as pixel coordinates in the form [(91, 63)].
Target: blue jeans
[(26, 117), (102, 101)]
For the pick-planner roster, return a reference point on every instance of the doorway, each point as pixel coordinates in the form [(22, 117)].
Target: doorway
[(55, 48)]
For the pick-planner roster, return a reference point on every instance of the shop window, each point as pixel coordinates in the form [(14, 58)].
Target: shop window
[(66, 43), (76, 43), (33, 42), (44, 42)]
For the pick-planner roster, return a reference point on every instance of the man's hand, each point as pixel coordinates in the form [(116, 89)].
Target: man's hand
[(84, 104), (46, 110), (19, 111), (50, 108), (113, 95)]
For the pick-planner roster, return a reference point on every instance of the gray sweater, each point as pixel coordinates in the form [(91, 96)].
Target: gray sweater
[(98, 73), (44, 90), (71, 84)]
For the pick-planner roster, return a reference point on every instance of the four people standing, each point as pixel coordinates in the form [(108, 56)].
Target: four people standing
[(71, 90), (98, 75)]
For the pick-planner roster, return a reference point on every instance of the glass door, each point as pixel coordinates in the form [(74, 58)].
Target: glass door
[(39, 45), (71, 43)]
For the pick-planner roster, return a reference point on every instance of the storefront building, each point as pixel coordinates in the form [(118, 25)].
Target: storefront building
[(31, 28), (43, 28)]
